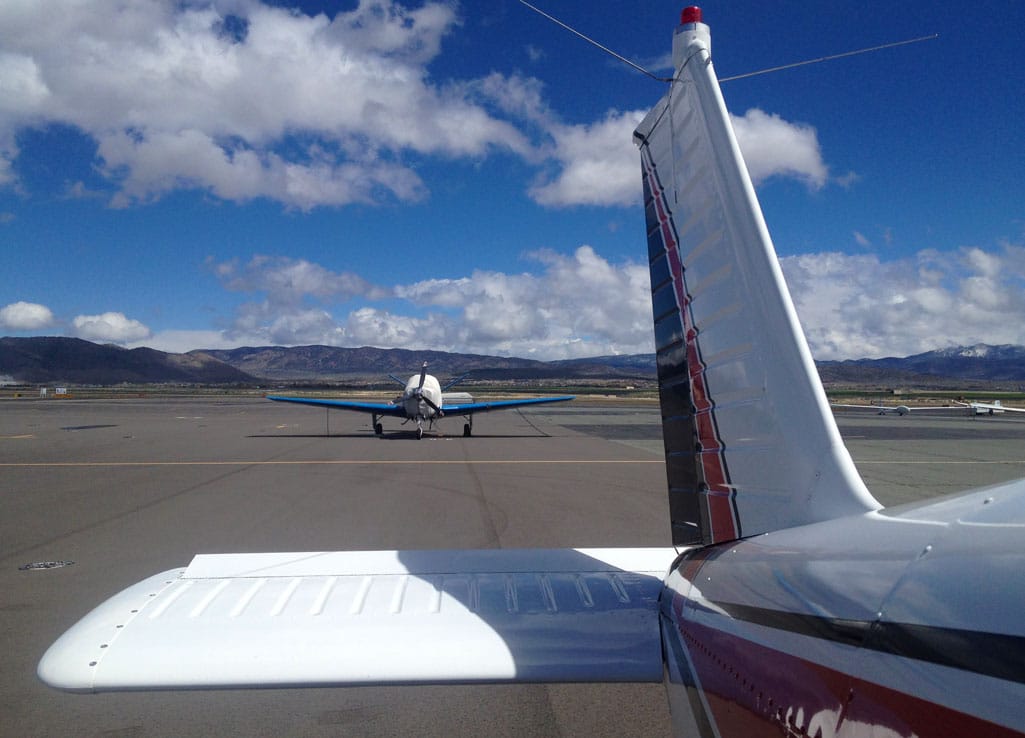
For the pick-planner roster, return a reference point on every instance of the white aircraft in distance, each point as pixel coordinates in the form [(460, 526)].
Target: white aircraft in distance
[(893, 409), (793, 604), (974, 408), (990, 408), (423, 400)]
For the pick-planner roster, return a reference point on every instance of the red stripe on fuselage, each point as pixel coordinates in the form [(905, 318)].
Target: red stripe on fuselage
[(754, 690), (722, 522)]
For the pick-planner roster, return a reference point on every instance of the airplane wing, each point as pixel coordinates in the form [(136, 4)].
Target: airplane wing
[(374, 617), (372, 408), (877, 408), (469, 408)]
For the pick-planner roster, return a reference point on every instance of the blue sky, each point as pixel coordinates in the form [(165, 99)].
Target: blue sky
[(461, 177)]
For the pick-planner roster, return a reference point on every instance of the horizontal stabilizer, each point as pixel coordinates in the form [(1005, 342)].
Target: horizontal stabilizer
[(375, 617)]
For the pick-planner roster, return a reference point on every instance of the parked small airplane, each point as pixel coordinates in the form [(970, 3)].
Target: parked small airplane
[(974, 408), (893, 409), (793, 603), (990, 408), (422, 400)]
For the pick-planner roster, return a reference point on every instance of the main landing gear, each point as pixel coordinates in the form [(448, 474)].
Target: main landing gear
[(468, 427), (378, 429)]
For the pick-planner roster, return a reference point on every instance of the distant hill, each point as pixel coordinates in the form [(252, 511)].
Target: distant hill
[(623, 365), (336, 363), (308, 363), (980, 362), (74, 361)]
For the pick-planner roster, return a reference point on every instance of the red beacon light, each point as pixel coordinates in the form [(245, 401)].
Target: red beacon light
[(690, 14)]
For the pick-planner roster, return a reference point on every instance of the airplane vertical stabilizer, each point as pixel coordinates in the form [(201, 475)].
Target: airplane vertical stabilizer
[(751, 445)]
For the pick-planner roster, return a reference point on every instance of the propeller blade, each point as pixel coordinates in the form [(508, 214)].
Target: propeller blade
[(434, 407), (423, 376)]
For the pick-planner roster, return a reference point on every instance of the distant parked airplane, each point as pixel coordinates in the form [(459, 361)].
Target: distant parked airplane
[(422, 400), (990, 408), (893, 409), (976, 408)]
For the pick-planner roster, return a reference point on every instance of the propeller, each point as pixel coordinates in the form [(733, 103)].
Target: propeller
[(419, 394)]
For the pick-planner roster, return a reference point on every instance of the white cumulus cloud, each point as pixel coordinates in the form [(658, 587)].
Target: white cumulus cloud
[(577, 305), (775, 147), (246, 100), (854, 306), (109, 327), (178, 341), (596, 164), (190, 95), (25, 316), (582, 304), (287, 281)]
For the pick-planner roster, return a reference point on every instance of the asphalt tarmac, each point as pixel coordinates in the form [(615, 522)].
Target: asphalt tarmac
[(129, 488)]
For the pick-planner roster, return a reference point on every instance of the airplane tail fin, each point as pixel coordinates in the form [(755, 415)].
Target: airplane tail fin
[(751, 444)]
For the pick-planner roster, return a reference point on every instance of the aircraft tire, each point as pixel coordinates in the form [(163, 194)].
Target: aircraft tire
[(378, 429), (419, 433), (466, 431)]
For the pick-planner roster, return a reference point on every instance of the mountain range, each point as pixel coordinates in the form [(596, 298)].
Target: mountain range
[(56, 360), (980, 362)]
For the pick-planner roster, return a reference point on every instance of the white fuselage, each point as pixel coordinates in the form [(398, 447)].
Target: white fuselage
[(413, 397), (901, 622)]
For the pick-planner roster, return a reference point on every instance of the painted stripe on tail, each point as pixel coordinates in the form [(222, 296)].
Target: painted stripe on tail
[(682, 381)]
